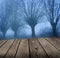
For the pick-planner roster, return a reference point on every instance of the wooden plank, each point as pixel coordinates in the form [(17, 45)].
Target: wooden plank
[(23, 50), (36, 50), (5, 47), (12, 51), (50, 50), (55, 42), (2, 42)]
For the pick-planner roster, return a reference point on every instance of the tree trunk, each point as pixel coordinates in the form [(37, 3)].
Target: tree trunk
[(15, 33), (4, 34), (54, 30), (33, 32)]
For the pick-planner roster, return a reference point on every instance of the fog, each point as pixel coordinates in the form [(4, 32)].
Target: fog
[(29, 18)]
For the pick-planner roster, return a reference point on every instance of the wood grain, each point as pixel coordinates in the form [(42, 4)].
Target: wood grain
[(36, 50), (51, 50), (30, 48), (55, 42), (5, 47), (23, 50), (12, 51)]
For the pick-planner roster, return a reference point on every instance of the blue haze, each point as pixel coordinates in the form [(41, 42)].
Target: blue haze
[(29, 18)]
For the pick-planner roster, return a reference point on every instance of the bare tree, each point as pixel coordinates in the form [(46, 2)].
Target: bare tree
[(14, 23), (6, 11), (32, 13), (52, 13)]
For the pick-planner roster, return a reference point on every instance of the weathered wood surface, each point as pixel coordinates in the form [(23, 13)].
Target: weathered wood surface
[(30, 48)]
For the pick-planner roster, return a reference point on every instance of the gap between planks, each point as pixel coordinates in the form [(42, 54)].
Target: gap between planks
[(13, 50), (49, 49), (5, 48), (30, 48), (36, 51), (23, 50), (55, 42)]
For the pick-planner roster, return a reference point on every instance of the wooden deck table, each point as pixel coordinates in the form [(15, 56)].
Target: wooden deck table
[(30, 48)]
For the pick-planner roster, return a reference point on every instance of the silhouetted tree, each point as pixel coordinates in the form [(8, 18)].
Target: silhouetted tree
[(33, 13), (52, 13), (6, 11), (14, 20)]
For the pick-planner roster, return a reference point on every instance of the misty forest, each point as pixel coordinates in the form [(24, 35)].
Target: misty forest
[(29, 18)]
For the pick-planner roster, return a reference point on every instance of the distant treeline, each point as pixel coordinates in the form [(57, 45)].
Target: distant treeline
[(29, 18)]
